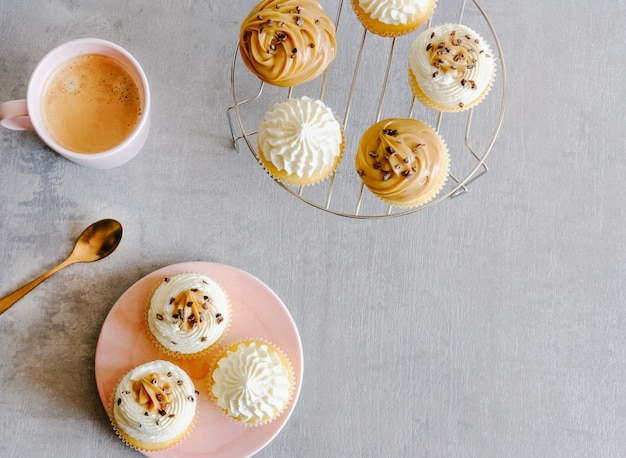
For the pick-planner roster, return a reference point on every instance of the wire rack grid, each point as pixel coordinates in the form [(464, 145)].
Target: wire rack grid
[(344, 193)]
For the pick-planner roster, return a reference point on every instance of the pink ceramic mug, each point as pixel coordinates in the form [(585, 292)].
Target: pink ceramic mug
[(33, 114)]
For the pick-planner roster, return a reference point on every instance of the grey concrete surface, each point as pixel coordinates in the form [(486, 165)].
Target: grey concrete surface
[(488, 325)]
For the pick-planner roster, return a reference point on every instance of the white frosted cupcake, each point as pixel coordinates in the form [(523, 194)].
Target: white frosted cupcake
[(252, 382), (451, 67), (187, 314), (392, 18), (154, 406), (300, 141)]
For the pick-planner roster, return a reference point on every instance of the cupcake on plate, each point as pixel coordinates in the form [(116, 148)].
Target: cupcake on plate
[(451, 68), (402, 161), (154, 406), (392, 18), (252, 382), (287, 42), (300, 141), (187, 314)]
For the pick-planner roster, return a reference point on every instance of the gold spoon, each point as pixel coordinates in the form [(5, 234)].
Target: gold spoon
[(96, 242)]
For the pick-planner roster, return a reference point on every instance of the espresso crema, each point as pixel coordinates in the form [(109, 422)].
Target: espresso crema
[(91, 104)]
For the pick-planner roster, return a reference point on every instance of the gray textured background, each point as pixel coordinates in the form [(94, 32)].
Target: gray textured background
[(488, 325)]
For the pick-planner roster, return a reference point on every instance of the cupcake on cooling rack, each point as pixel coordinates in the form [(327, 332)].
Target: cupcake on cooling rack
[(287, 42), (252, 382), (187, 314), (392, 18), (451, 67), (154, 406), (300, 141), (402, 161)]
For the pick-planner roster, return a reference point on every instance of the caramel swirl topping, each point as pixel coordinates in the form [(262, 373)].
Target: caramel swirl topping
[(187, 307), (152, 392), (451, 56), (289, 42), (393, 156)]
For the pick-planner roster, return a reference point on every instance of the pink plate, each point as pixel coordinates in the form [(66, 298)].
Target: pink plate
[(257, 312)]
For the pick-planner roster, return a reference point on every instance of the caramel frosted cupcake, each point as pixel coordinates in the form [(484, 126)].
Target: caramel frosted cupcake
[(188, 313), (451, 68), (392, 18), (154, 406), (287, 42), (300, 141), (402, 161), (252, 382)]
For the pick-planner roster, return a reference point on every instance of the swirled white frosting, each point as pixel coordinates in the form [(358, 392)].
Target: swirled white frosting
[(394, 12), (188, 313), (301, 136), (452, 64), (252, 383), (147, 419)]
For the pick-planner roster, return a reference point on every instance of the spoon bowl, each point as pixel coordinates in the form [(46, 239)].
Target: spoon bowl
[(97, 241)]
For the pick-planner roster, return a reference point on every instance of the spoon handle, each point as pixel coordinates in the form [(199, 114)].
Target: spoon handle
[(16, 295)]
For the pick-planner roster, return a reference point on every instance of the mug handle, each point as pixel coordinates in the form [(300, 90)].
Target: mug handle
[(14, 115)]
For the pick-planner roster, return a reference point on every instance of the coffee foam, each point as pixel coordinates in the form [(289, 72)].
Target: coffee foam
[(91, 103)]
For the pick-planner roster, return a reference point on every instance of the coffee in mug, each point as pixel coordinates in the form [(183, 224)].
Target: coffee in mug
[(90, 104), (88, 100)]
